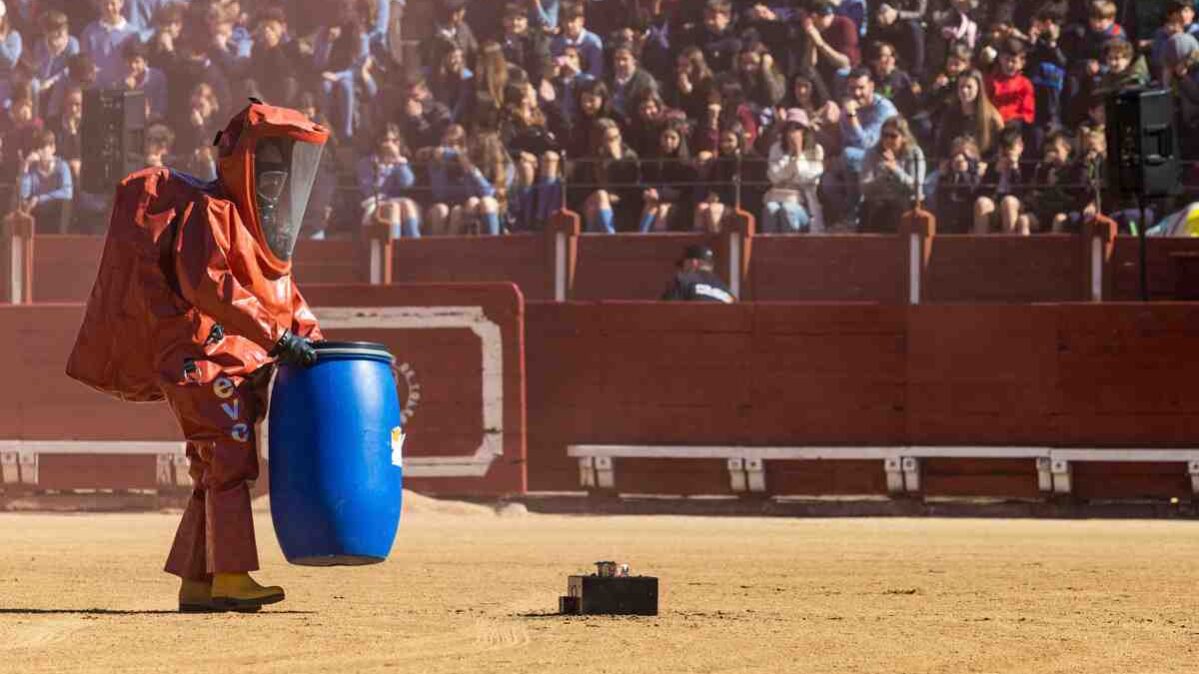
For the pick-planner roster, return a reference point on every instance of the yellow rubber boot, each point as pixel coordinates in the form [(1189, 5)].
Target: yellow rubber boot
[(239, 592), (195, 596)]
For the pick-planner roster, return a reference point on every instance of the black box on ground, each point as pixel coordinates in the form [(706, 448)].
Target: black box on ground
[(610, 595)]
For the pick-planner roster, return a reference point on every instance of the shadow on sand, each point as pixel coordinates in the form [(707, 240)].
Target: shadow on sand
[(113, 611)]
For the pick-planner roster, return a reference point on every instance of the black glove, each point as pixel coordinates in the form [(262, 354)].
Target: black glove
[(294, 350)]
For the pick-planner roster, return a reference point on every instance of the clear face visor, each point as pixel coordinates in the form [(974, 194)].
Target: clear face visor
[(284, 172)]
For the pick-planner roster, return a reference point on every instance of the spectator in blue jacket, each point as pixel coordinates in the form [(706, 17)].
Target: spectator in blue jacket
[(1179, 18), (575, 34), (150, 81), (384, 181), (379, 27), (544, 13), (460, 191), (46, 185), (10, 53), (50, 53), (140, 14), (103, 41), (862, 118), (716, 35), (864, 112)]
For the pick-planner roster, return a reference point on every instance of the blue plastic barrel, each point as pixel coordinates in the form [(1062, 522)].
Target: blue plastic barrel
[(335, 456)]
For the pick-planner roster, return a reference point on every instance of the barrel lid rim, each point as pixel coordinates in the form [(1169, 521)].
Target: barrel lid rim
[(374, 346)]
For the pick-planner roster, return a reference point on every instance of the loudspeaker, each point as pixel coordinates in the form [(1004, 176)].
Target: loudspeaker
[(1141, 148), (112, 137)]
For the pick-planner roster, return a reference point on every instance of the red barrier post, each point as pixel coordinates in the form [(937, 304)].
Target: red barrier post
[(380, 238), (1099, 240), (562, 237), (737, 233), (16, 263), (919, 227)]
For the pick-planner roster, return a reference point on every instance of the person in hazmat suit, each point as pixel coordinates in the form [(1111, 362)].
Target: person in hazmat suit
[(193, 300)]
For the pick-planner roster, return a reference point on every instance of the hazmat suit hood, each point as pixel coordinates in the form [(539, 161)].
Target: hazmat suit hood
[(267, 163)]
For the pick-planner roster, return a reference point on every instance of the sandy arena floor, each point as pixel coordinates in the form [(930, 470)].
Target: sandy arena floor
[(468, 591)]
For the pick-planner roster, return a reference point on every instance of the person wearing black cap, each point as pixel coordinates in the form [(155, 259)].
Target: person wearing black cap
[(696, 281)]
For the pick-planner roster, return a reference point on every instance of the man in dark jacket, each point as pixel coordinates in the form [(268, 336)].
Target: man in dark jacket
[(696, 281), (526, 47), (423, 120)]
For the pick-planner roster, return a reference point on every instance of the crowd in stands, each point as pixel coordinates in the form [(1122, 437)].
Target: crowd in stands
[(641, 115)]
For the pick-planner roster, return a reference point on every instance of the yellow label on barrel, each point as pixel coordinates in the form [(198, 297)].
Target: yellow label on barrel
[(397, 446)]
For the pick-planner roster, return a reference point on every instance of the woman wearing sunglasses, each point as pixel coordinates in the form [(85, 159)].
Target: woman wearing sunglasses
[(892, 171)]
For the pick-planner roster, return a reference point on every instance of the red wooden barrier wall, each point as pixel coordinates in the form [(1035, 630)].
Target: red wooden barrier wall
[(962, 268), (441, 337), (39, 402), (1106, 375), (1173, 268), (755, 375), (630, 266), (1045, 268), (866, 268), (330, 261), (65, 266), (523, 259)]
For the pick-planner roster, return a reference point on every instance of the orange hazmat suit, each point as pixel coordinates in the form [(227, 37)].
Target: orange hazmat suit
[(193, 296)]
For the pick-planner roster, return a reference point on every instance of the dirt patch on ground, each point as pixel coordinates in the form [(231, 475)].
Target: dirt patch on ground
[(466, 591)]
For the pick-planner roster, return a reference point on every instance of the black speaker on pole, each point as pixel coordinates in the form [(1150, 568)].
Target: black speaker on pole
[(1141, 149), (112, 138)]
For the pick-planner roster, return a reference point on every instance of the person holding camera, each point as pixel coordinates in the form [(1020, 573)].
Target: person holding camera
[(958, 178), (794, 168), (46, 185), (1047, 68), (1003, 194), (611, 172), (461, 191), (893, 171), (384, 181), (423, 120)]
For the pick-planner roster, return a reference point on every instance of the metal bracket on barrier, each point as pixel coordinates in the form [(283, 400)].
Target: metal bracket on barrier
[(737, 480), (182, 477), (376, 263), (28, 461), (10, 472), (586, 471), (1193, 470), (755, 472), (605, 475), (1061, 476), (1044, 474), (894, 470), (911, 473), (560, 266), (165, 472)]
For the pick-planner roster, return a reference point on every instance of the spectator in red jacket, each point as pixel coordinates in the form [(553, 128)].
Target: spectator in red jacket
[(1010, 91)]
